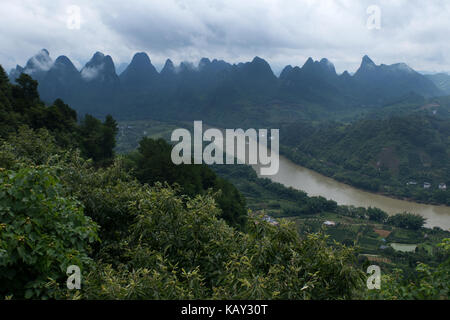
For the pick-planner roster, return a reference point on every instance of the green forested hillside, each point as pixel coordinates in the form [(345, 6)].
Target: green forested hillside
[(20, 105), (380, 155)]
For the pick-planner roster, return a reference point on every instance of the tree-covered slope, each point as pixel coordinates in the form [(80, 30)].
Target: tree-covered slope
[(379, 154)]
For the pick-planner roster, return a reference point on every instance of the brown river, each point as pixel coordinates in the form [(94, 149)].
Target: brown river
[(315, 184)]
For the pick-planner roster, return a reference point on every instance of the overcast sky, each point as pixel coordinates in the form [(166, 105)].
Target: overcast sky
[(281, 31)]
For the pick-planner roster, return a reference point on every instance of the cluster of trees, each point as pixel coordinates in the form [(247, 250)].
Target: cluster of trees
[(376, 214), (404, 220), (152, 163), (20, 105), (41, 231)]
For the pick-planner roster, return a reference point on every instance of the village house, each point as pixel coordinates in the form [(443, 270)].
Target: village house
[(442, 186), (270, 220), (426, 185), (330, 223)]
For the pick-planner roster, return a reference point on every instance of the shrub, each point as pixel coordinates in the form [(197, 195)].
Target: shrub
[(42, 232)]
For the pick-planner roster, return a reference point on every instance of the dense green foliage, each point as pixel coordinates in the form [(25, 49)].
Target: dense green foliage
[(376, 214), (97, 139), (429, 283), (43, 231), (169, 245), (20, 105), (195, 255), (152, 163), (407, 221)]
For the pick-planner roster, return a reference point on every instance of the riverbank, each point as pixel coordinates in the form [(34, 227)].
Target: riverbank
[(301, 178), (332, 175), (316, 184)]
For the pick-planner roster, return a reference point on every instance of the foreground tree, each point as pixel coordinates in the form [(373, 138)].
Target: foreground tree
[(42, 232)]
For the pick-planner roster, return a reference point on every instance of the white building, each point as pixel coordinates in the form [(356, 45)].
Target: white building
[(270, 220)]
